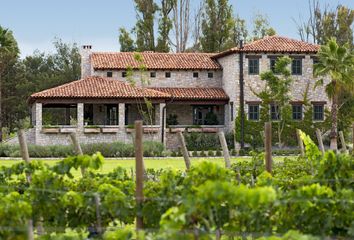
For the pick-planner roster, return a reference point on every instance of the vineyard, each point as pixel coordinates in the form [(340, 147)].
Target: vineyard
[(309, 197)]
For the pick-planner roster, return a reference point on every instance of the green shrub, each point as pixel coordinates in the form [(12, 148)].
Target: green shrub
[(211, 153), (218, 153), (206, 141), (202, 154), (195, 154)]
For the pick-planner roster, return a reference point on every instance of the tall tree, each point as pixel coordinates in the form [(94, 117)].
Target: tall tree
[(337, 62), (165, 25), (217, 23), (181, 24), (261, 27), (8, 56), (144, 28), (126, 42), (239, 32)]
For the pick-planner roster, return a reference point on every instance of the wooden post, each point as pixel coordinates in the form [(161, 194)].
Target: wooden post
[(76, 144), (342, 140), (301, 144), (77, 148), (353, 139), (139, 168), (184, 150), (24, 150), (320, 141), (224, 149), (30, 230), (98, 215), (268, 146)]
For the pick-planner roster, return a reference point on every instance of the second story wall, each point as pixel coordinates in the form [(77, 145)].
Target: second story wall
[(171, 78)]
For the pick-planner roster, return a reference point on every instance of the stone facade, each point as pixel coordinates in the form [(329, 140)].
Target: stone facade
[(227, 78)]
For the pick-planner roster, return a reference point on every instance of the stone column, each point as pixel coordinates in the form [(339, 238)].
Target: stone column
[(80, 117), (37, 121), (227, 117), (161, 120), (121, 116)]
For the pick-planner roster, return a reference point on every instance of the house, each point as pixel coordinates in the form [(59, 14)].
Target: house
[(194, 92)]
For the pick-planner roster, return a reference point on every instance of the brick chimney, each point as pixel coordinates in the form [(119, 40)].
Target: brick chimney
[(86, 61)]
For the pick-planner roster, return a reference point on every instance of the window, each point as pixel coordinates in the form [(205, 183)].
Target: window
[(272, 62), (110, 74), (167, 74), (112, 114), (153, 74), (296, 66), (274, 112), (315, 61), (253, 66), (210, 75), (297, 111), (124, 74), (318, 112), (253, 112), (204, 115), (195, 75)]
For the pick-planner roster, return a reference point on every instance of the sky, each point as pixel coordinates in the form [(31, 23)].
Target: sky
[(36, 23)]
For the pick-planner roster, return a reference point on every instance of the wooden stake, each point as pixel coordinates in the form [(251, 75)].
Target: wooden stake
[(98, 215), (353, 139), (24, 150), (342, 140), (268, 146), (77, 148), (139, 167), (301, 144), (184, 150), (30, 230), (320, 141), (224, 149)]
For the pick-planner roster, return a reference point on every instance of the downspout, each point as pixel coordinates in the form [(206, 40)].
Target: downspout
[(242, 107), (163, 121)]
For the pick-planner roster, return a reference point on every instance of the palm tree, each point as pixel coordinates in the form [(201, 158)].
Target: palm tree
[(8, 47), (336, 62)]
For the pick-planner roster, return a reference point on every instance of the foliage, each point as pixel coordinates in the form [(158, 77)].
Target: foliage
[(172, 119), (206, 141)]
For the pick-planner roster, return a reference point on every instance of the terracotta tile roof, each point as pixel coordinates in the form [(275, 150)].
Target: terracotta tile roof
[(195, 93), (274, 44), (98, 87), (155, 61)]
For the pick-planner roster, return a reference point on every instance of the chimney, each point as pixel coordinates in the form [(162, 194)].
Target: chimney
[(86, 61)]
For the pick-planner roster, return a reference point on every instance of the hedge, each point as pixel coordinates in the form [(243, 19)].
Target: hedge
[(115, 149)]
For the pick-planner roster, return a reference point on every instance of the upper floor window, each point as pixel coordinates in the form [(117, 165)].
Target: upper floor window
[(152, 74), (296, 66), (195, 74), (167, 74), (318, 112), (315, 61), (253, 112), (274, 112), (109, 74), (124, 74), (297, 111), (253, 66), (232, 110), (210, 75)]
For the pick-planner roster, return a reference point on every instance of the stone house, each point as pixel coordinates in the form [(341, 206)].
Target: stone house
[(194, 92)]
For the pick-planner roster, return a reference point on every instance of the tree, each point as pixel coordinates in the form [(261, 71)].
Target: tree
[(239, 32), (181, 24), (165, 25), (126, 42), (337, 62), (217, 23), (261, 27), (144, 27), (8, 56), (277, 92)]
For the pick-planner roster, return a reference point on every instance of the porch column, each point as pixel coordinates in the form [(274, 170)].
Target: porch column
[(227, 117), (121, 115), (80, 117), (161, 121), (37, 116)]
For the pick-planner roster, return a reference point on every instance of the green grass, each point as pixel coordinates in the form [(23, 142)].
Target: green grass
[(158, 163)]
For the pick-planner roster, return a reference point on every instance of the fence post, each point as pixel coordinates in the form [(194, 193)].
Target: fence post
[(98, 214), (224, 149), (30, 230), (268, 145), (320, 141), (184, 150), (342, 140), (301, 144), (77, 148), (353, 139), (139, 168), (24, 150)]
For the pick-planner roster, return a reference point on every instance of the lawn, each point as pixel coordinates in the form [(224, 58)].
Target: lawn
[(158, 163)]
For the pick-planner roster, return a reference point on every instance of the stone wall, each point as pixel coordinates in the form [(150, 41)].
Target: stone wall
[(177, 79)]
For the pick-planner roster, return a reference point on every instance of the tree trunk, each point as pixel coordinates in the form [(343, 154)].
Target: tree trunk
[(333, 134)]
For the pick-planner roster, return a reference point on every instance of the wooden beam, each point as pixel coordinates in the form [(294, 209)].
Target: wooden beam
[(139, 168)]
